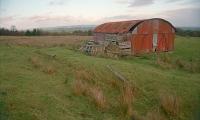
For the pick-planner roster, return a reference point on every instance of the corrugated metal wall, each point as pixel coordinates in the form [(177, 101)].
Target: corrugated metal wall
[(142, 40)]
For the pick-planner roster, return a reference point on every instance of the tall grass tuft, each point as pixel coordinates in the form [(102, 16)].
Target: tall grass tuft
[(97, 96), (79, 87), (49, 69), (191, 66), (35, 61), (114, 83), (164, 61), (83, 75), (95, 93), (154, 115), (127, 99), (164, 58), (170, 104)]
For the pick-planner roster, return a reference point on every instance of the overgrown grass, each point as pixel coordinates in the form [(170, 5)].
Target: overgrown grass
[(57, 83), (127, 99), (170, 104)]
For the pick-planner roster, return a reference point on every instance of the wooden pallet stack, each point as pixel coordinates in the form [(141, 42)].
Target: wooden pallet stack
[(108, 48)]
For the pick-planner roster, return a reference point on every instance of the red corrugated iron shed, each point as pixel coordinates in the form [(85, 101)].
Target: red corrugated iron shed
[(148, 35)]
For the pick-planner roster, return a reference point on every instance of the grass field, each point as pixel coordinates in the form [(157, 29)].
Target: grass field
[(45, 78)]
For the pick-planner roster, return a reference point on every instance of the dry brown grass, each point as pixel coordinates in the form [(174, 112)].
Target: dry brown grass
[(164, 61), (165, 58), (44, 41), (167, 62), (97, 96), (94, 93), (192, 66), (114, 83), (154, 115), (80, 87), (83, 75), (170, 104), (46, 68), (127, 99), (49, 69), (35, 61)]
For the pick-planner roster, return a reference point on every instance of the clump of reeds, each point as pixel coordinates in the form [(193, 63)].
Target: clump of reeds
[(127, 99), (95, 93), (83, 75), (97, 96), (170, 104), (79, 87)]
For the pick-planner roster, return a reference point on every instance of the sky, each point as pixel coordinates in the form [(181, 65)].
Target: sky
[(28, 14)]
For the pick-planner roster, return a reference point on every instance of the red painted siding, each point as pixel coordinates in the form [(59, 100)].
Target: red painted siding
[(142, 42)]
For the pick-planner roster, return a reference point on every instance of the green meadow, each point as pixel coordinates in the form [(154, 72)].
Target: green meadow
[(58, 82)]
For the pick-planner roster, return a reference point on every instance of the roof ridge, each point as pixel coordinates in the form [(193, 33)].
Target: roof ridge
[(122, 26)]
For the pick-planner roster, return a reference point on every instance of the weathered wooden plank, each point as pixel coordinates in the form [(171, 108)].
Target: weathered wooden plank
[(125, 50), (117, 74), (124, 47)]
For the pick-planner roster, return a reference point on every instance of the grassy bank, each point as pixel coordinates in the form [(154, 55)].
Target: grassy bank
[(53, 82)]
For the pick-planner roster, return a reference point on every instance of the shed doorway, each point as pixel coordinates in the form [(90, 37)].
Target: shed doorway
[(155, 41)]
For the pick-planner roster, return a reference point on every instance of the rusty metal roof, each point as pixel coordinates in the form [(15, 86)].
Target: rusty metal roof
[(121, 26), (116, 27)]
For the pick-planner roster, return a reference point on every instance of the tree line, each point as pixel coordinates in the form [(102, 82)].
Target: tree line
[(192, 33), (39, 32)]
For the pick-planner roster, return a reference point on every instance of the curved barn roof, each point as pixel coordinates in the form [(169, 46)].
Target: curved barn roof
[(122, 26)]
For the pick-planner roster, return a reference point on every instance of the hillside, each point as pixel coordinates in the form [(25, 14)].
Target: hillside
[(69, 28), (46, 78), (190, 28)]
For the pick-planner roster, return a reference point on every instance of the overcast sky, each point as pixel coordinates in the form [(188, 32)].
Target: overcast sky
[(25, 14)]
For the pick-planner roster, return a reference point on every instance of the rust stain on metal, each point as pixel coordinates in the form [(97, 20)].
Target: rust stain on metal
[(116, 27)]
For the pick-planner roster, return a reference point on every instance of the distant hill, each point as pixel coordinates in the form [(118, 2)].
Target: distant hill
[(91, 27), (69, 28), (190, 28)]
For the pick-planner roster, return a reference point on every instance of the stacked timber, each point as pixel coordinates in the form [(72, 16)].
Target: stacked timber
[(111, 48), (125, 48)]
